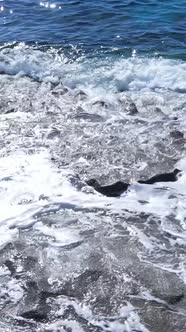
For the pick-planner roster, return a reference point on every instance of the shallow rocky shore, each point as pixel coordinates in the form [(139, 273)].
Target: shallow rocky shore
[(72, 260)]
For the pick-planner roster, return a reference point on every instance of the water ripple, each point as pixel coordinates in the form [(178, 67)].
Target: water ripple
[(149, 27)]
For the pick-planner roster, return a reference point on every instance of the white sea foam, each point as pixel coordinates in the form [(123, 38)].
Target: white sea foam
[(24, 181), (62, 237), (116, 324), (33, 187), (125, 74), (33, 177)]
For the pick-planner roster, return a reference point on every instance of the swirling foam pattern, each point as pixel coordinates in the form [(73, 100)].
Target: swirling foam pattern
[(92, 89)]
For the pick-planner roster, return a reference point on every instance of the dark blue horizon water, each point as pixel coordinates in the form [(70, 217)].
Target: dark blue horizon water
[(150, 27)]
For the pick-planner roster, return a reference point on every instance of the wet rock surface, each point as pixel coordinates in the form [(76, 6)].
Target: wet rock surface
[(71, 259), (44, 284), (77, 130)]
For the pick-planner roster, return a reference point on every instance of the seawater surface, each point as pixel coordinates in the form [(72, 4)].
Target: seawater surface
[(149, 26), (92, 89)]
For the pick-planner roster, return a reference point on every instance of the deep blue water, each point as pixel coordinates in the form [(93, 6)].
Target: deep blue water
[(153, 27)]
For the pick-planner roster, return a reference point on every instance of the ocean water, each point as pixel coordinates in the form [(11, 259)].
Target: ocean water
[(152, 27), (92, 89)]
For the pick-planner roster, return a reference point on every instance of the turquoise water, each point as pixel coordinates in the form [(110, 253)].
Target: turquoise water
[(152, 27)]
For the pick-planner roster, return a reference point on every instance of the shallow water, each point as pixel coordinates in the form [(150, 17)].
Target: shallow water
[(94, 92)]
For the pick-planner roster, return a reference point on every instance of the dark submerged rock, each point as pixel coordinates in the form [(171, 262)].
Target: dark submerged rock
[(101, 103), (60, 91), (54, 133), (128, 106), (176, 134), (10, 265), (80, 285), (118, 188), (174, 299), (11, 110), (6, 178), (113, 190), (89, 117), (81, 95), (71, 314), (132, 109), (161, 320), (35, 314), (164, 177), (34, 305)]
